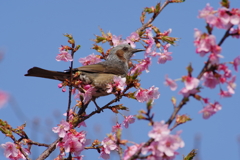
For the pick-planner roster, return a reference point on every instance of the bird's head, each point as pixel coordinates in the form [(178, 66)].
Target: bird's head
[(122, 52)]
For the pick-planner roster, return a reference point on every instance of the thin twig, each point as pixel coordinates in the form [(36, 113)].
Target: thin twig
[(38, 144), (144, 26), (70, 87)]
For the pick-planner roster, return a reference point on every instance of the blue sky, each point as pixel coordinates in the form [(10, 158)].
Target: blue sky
[(32, 31)]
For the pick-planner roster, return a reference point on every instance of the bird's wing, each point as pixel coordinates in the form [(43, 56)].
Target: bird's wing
[(100, 68)]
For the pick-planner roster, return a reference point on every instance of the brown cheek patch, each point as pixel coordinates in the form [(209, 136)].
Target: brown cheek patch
[(120, 54)]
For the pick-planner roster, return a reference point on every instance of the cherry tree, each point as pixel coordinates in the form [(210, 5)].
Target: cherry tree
[(162, 143)]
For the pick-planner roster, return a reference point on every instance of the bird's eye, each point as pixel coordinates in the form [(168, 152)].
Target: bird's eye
[(129, 44), (125, 48)]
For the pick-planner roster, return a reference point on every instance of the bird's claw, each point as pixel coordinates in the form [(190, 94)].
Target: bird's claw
[(98, 109)]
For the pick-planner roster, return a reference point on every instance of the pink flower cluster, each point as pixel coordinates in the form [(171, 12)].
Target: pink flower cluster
[(134, 37), (131, 150), (149, 41), (12, 152), (127, 120), (222, 18), (89, 91), (211, 79), (164, 55), (109, 144), (207, 43), (91, 59), (62, 128), (64, 55), (72, 141), (210, 109), (146, 95), (164, 144), (191, 85), (141, 66), (118, 85)]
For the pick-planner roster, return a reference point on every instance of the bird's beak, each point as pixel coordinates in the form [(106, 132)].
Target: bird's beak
[(137, 50)]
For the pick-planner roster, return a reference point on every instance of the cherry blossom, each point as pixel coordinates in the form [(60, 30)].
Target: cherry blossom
[(206, 12), (221, 20), (62, 128), (153, 93), (205, 43), (191, 85), (128, 120), (130, 151), (109, 144), (103, 154), (119, 84), (185, 92), (133, 38), (235, 32), (190, 82), (141, 95), (64, 56), (235, 17), (165, 56), (116, 127), (236, 63), (166, 33), (141, 66), (116, 40), (153, 149), (171, 83), (214, 58), (10, 150), (87, 96), (159, 130), (74, 142), (169, 144), (210, 80), (210, 109), (144, 95), (91, 59), (232, 85), (225, 94), (150, 41)]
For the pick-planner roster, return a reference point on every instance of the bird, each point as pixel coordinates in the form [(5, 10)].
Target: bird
[(98, 75)]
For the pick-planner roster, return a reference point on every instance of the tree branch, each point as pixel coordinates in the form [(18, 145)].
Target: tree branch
[(144, 26)]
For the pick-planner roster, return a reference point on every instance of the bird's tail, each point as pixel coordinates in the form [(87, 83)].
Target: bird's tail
[(43, 73)]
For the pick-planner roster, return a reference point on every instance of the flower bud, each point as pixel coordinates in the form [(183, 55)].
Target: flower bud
[(182, 119), (71, 41), (60, 85)]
